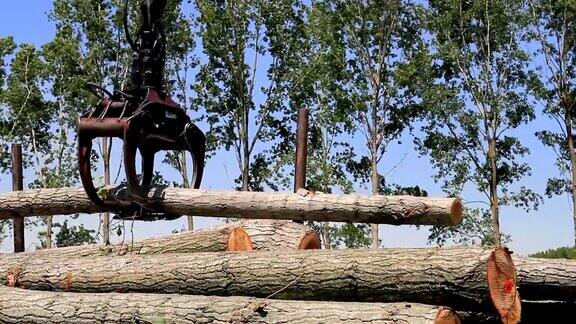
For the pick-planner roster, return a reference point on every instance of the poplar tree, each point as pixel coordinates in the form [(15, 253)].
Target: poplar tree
[(381, 39), (554, 29), (247, 87), (478, 95)]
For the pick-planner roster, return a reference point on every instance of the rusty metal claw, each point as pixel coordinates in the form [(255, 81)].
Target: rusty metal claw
[(160, 125), (142, 115)]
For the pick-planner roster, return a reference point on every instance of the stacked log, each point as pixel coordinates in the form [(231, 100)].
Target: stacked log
[(247, 235), (205, 276), (454, 277), (18, 305)]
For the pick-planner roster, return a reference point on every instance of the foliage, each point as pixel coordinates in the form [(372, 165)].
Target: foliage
[(330, 126), (558, 253), (553, 28), (379, 39), (476, 87), (26, 115), (69, 235), (475, 229), (241, 109)]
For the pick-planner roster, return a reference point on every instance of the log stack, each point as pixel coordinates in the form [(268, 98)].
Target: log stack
[(384, 285), (266, 271)]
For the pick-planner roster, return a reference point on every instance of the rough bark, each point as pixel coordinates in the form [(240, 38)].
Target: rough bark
[(271, 235), (18, 305), (546, 279), (453, 277), (256, 205), (241, 236)]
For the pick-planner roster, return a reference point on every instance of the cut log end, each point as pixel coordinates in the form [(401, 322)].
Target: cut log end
[(239, 241), (456, 212), (310, 241), (502, 282), (446, 315)]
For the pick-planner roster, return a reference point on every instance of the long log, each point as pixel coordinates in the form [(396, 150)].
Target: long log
[(455, 277), (18, 305), (395, 210), (247, 235)]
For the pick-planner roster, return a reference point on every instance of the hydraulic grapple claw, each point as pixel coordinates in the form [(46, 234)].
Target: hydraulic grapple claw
[(145, 117)]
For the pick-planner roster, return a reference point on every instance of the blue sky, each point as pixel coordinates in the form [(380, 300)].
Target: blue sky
[(549, 227)]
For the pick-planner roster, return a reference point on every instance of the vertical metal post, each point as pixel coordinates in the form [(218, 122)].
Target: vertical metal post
[(301, 150), (17, 185)]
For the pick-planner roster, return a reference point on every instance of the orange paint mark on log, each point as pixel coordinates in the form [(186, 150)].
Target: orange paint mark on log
[(508, 286)]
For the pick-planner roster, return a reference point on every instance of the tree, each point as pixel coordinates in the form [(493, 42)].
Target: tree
[(553, 28), (475, 229), (328, 150), (480, 77), (102, 55), (381, 38), (7, 47), (180, 62), (248, 88), (27, 114), (69, 236)]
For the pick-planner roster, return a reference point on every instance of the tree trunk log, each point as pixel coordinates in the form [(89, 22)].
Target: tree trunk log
[(256, 205), (453, 277), (274, 235), (18, 305), (240, 236), (546, 279)]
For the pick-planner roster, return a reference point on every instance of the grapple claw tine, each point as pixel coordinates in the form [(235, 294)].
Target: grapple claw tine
[(196, 145)]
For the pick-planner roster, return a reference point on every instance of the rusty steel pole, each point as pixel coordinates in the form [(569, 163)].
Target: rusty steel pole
[(301, 150), (17, 185)]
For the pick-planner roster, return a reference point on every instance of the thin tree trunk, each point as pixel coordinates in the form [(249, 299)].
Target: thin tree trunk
[(570, 139), (183, 165), (494, 203), (326, 235), (106, 215), (326, 175), (19, 305), (48, 220), (245, 163), (375, 191)]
